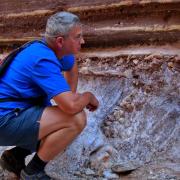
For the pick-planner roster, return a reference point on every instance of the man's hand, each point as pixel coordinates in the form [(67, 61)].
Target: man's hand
[(93, 104)]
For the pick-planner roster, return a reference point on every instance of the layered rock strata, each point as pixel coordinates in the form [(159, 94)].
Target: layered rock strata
[(107, 23), (137, 124)]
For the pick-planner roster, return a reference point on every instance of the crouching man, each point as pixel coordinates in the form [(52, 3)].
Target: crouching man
[(27, 119)]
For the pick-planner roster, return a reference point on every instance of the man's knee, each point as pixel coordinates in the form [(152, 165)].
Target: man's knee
[(79, 121)]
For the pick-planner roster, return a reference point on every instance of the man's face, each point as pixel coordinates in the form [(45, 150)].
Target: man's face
[(72, 43)]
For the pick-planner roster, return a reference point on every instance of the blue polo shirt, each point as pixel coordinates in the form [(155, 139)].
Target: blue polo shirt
[(34, 72)]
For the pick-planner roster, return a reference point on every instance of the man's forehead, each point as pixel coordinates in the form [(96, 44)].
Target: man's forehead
[(77, 29)]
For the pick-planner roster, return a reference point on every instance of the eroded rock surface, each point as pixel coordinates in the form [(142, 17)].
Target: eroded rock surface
[(137, 124)]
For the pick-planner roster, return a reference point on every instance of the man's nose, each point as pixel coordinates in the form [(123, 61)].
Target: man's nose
[(82, 40)]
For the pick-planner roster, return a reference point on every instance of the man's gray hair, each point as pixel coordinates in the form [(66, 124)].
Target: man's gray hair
[(60, 24)]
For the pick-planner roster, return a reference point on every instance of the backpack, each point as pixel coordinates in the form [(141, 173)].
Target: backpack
[(4, 64)]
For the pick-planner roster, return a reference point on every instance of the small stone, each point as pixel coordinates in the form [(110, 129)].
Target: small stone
[(133, 57), (123, 167), (109, 149), (84, 70), (129, 98), (118, 114), (121, 120), (107, 132), (148, 89), (89, 172), (128, 58), (108, 174), (111, 118), (107, 123), (123, 103), (135, 61), (137, 83), (120, 61), (99, 159), (128, 73), (170, 65), (155, 66), (77, 173), (129, 107), (104, 157), (114, 131), (88, 61), (151, 56)]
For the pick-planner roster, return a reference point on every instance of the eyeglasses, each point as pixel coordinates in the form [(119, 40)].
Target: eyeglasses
[(79, 37)]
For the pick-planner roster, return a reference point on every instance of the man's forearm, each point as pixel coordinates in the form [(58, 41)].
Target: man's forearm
[(72, 77), (73, 82), (80, 101), (72, 103)]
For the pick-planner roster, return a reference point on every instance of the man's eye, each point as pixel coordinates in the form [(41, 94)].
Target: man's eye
[(79, 36)]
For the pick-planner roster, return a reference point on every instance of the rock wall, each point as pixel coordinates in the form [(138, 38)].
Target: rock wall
[(131, 62), (137, 123)]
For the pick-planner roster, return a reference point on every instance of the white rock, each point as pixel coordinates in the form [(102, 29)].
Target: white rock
[(135, 61), (110, 175), (89, 172)]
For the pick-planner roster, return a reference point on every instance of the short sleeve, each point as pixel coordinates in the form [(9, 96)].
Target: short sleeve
[(47, 75), (67, 62)]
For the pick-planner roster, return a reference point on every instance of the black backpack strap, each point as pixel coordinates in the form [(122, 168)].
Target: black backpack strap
[(33, 100)]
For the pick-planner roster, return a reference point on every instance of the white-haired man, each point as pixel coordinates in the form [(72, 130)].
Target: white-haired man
[(36, 72)]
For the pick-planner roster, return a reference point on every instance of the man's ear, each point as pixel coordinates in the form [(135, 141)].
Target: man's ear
[(59, 42)]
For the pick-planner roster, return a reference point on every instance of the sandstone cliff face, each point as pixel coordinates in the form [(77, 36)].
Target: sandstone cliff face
[(133, 66)]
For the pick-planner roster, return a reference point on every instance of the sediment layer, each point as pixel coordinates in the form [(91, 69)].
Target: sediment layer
[(108, 23)]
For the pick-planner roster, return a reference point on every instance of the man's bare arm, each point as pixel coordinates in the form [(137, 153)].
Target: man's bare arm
[(72, 103), (72, 77)]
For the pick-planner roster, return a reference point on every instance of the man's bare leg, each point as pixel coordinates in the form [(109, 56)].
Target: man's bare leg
[(57, 131)]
